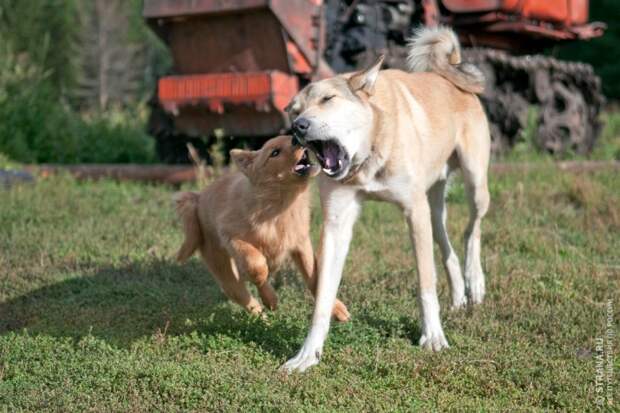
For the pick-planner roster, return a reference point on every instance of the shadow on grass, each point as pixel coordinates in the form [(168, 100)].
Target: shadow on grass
[(123, 304), (138, 301)]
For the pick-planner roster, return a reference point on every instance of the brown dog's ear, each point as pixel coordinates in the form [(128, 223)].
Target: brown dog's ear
[(243, 159), (365, 80)]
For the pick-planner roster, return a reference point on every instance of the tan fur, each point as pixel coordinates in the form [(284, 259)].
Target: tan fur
[(246, 223)]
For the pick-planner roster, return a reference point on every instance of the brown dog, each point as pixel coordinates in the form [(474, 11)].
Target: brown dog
[(248, 222)]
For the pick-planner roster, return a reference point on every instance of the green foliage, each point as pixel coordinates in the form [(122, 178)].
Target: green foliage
[(608, 145), (44, 33), (36, 127), (38, 75), (603, 53), (97, 316)]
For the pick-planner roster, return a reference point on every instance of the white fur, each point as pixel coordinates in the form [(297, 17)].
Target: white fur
[(341, 206), (432, 337), (429, 44), (436, 197), (347, 122), (437, 49)]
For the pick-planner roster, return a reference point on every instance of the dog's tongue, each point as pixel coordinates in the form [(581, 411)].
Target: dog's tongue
[(331, 156)]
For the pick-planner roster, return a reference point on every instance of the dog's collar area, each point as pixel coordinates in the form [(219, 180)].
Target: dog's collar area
[(354, 171)]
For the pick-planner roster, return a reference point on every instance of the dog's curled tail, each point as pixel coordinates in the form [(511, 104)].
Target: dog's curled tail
[(437, 49), (186, 205)]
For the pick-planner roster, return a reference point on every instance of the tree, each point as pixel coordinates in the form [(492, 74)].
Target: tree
[(110, 64), (42, 32)]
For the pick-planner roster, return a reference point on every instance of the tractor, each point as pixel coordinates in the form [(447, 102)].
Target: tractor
[(237, 64)]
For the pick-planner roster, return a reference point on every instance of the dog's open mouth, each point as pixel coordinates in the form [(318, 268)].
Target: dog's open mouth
[(304, 166), (333, 158)]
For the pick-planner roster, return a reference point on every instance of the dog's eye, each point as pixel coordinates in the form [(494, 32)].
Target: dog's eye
[(275, 153), (327, 98)]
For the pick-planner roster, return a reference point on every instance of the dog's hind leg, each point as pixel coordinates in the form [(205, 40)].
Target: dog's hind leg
[(222, 267), (474, 161), (418, 216), (436, 199)]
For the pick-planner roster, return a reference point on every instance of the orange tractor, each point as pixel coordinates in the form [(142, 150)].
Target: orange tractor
[(237, 63)]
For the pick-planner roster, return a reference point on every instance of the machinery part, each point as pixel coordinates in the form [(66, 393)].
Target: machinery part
[(359, 31), (567, 94), (235, 102), (171, 144), (238, 62)]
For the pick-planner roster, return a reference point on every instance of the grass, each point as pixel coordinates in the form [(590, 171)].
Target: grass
[(96, 316)]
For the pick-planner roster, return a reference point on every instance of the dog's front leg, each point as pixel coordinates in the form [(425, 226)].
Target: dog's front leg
[(421, 232), (304, 259), (340, 210)]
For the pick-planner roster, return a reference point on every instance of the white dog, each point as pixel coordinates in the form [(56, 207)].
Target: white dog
[(396, 136)]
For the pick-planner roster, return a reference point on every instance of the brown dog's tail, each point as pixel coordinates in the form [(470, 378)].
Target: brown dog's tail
[(437, 49), (186, 204)]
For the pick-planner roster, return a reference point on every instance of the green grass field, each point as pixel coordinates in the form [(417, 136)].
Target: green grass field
[(96, 316)]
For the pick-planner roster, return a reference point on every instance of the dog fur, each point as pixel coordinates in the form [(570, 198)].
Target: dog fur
[(396, 136), (245, 224)]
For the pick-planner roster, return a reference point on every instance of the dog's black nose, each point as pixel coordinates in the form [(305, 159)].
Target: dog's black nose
[(301, 126)]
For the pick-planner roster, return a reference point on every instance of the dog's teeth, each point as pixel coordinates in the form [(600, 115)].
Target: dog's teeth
[(339, 163)]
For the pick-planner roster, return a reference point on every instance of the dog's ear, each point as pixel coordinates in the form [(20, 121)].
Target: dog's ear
[(243, 159), (365, 80)]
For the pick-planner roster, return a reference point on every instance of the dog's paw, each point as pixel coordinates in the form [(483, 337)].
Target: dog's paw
[(306, 358), (340, 312), (458, 302), (434, 340), (269, 298), (477, 290), (254, 307)]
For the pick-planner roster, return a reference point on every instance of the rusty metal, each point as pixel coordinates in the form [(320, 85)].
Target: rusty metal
[(166, 174), (238, 62), (264, 90), (431, 12), (242, 104), (567, 12), (159, 9)]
